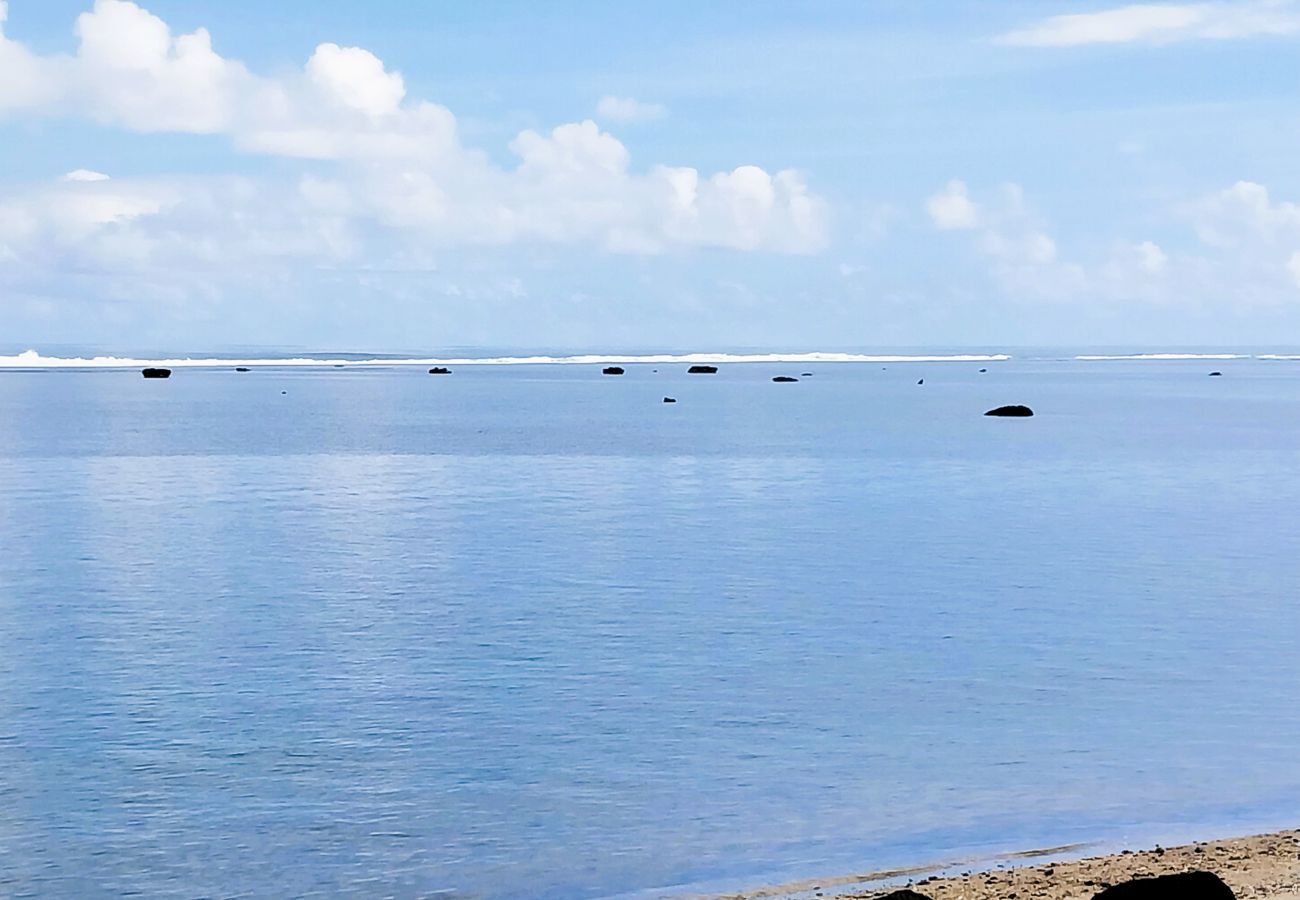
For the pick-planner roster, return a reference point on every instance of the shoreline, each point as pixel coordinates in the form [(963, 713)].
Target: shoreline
[(1264, 866)]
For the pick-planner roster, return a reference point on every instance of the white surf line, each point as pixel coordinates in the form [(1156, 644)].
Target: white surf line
[(32, 359), (1164, 356)]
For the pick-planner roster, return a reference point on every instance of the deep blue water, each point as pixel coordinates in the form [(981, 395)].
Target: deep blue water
[(527, 631)]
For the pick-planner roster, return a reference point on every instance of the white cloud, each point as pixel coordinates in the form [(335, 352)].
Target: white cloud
[(626, 109), (399, 167), (356, 79), (952, 208), (1246, 231), (1244, 214), (1293, 266), (1150, 257), (85, 175), (1160, 23)]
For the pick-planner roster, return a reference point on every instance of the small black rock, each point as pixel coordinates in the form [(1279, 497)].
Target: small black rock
[(156, 373), (338, 365), (903, 895), (1015, 411), (1215, 374), (1183, 886), (784, 379), (805, 375), (922, 381), (241, 368), (983, 370), (439, 370), (670, 399), (702, 370), (612, 370)]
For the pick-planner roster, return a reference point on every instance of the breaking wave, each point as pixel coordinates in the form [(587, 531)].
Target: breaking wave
[(29, 359), (1167, 356)]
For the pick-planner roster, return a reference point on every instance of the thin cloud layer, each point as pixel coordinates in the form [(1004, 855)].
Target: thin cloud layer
[(1160, 23), (627, 109)]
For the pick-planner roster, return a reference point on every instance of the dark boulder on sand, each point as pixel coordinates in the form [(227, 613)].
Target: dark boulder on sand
[(1014, 411), (670, 399), (439, 370), (612, 370), (784, 379), (1183, 886), (702, 370), (903, 895), (156, 373)]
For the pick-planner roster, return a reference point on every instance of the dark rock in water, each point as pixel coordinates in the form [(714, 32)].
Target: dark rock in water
[(612, 370), (1183, 886), (784, 379), (241, 368), (805, 374), (1213, 374), (156, 373), (983, 370), (702, 370), (338, 365), (1013, 411), (903, 895), (922, 381), (670, 399), (439, 370)]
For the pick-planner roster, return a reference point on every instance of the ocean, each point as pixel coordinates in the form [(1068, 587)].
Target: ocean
[(528, 631)]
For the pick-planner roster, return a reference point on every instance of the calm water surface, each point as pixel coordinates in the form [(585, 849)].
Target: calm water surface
[(528, 631)]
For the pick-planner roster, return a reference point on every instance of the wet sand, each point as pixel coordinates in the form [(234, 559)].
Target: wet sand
[(1260, 866)]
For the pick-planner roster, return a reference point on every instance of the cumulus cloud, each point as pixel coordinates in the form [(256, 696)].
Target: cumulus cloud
[(1293, 266), (399, 167), (626, 109), (1245, 230), (952, 208), (1024, 260), (1160, 23)]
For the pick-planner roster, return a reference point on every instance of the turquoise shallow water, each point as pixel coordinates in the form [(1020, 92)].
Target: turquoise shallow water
[(527, 631)]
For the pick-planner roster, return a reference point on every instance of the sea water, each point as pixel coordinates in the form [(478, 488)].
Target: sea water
[(528, 631)]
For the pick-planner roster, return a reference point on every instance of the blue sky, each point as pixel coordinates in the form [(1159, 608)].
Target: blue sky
[(392, 175)]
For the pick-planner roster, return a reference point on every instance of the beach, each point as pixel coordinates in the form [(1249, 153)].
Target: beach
[(1257, 866)]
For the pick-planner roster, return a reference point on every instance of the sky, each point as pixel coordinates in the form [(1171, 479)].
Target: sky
[(829, 174)]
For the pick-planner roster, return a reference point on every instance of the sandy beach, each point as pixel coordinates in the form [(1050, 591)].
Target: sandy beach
[(1258, 866)]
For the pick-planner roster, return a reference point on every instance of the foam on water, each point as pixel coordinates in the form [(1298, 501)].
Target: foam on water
[(1164, 356), (33, 359)]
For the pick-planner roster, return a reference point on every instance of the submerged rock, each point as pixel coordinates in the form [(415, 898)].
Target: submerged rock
[(805, 375), (670, 399), (784, 379), (1183, 886), (439, 370), (1013, 411), (702, 370), (156, 373), (612, 370)]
